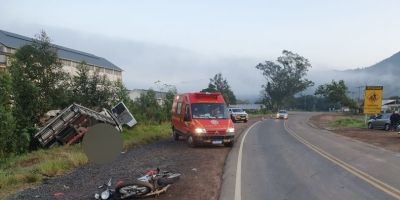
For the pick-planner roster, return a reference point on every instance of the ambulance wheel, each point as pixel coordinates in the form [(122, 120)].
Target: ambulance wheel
[(228, 144), (175, 135), (191, 142)]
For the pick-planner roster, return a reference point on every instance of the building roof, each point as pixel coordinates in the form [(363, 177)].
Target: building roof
[(388, 101), (16, 41)]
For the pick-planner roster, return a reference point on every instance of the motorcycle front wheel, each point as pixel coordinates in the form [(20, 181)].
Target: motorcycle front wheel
[(168, 178), (133, 190)]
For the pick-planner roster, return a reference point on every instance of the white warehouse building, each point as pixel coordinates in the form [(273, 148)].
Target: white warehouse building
[(69, 58)]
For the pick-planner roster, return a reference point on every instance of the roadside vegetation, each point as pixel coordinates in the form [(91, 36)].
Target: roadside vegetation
[(34, 84), (349, 122), (19, 172)]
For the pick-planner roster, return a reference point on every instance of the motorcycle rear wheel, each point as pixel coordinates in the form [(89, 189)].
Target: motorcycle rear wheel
[(133, 190)]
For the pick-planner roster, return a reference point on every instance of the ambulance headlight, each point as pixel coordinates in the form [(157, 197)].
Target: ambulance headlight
[(200, 131), (230, 130)]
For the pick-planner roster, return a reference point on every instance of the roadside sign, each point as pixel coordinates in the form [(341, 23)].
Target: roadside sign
[(373, 99)]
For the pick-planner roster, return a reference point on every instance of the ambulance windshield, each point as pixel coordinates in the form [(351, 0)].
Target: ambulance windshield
[(209, 111)]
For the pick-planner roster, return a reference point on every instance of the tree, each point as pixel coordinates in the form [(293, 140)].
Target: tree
[(285, 78), (219, 84), (93, 90), (335, 92), (38, 80), (7, 123), (80, 85), (146, 108), (167, 105), (120, 93), (311, 103)]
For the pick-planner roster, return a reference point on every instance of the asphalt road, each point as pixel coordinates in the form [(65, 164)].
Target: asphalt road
[(276, 164)]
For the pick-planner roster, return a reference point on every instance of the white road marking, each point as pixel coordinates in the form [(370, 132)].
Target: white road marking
[(238, 186)]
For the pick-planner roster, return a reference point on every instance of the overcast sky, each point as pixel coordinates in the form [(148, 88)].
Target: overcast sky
[(186, 42)]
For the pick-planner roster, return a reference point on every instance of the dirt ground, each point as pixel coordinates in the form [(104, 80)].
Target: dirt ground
[(201, 170), (385, 139)]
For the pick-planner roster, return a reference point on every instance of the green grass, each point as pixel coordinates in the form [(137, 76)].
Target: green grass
[(21, 172), (349, 122), (144, 134), (260, 114)]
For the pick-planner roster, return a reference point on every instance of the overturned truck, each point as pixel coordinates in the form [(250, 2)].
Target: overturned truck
[(71, 124)]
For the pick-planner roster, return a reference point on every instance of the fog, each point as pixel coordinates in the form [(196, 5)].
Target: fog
[(356, 80), (145, 63)]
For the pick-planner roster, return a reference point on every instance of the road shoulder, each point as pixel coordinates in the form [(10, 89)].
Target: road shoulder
[(376, 162)]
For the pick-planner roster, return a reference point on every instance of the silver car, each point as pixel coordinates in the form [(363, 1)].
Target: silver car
[(238, 114), (382, 121), (282, 114)]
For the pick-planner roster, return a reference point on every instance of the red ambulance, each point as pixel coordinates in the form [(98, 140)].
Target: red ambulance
[(202, 118)]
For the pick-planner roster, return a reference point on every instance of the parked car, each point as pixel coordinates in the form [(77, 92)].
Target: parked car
[(381, 121), (238, 114), (282, 114), (202, 118)]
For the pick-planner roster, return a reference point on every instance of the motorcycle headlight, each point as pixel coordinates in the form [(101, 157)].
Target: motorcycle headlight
[(200, 131), (105, 194), (96, 196)]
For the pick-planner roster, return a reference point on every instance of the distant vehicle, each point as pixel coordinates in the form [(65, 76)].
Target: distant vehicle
[(202, 118), (282, 114), (238, 114), (382, 121)]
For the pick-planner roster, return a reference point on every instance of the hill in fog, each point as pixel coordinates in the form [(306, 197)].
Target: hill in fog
[(385, 73)]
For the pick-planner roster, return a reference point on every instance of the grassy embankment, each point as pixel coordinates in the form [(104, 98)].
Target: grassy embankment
[(259, 114), (27, 170), (349, 122)]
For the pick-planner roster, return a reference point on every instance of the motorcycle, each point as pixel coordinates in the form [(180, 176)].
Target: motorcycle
[(153, 183)]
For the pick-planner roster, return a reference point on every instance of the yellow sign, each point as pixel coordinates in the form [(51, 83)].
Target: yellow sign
[(373, 99)]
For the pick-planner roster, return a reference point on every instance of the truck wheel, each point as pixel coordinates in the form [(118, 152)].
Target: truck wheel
[(245, 121), (228, 144), (191, 142), (175, 135)]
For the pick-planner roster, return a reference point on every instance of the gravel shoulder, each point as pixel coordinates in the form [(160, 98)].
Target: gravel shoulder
[(201, 170), (385, 139)]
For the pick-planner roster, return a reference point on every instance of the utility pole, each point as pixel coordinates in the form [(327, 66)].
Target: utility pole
[(359, 93)]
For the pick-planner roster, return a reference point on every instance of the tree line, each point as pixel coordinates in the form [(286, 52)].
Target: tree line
[(35, 83)]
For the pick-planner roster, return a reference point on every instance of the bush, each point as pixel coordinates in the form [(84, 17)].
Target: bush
[(349, 123), (147, 110)]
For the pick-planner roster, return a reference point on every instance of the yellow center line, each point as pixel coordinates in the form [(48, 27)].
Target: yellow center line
[(364, 176)]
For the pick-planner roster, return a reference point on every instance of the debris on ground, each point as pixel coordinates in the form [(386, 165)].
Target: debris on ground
[(71, 124)]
